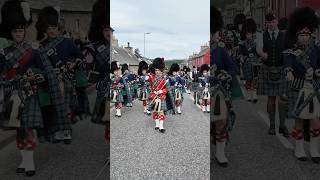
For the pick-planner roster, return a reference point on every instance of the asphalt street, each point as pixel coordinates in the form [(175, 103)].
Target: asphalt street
[(138, 151), (81, 160), (253, 154)]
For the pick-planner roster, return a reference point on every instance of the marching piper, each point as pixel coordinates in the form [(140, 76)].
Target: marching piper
[(176, 86), (161, 100), (98, 63), (302, 67), (223, 72), (130, 79), (249, 58), (118, 86), (204, 86), (30, 75), (144, 87), (66, 59)]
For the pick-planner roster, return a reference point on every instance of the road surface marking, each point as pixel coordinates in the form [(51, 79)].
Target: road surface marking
[(285, 142)]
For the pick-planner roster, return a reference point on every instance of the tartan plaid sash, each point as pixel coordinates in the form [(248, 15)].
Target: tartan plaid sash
[(102, 54), (55, 92), (14, 54)]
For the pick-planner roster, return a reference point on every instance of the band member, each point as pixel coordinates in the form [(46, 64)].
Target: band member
[(176, 86), (249, 59), (204, 88), (161, 100), (144, 88), (118, 86), (238, 24), (129, 78), (98, 60), (302, 67), (271, 81), (65, 58), (223, 70), (195, 84), (24, 70)]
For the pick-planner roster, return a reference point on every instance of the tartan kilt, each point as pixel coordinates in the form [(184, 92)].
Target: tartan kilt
[(70, 98), (194, 86), (201, 93), (181, 92), (99, 110), (141, 93), (269, 88), (247, 70), (120, 97), (31, 116), (292, 99), (83, 100), (163, 106)]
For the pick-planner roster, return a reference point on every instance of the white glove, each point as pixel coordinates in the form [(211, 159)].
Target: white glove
[(290, 76), (159, 92)]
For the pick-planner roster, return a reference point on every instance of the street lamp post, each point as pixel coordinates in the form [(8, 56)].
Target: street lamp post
[(144, 43)]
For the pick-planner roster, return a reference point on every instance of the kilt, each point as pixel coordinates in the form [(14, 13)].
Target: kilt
[(83, 101), (201, 93), (141, 91), (267, 88), (70, 98), (247, 69), (293, 96), (219, 107), (194, 86), (31, 116), (162, 108), (119, 98)]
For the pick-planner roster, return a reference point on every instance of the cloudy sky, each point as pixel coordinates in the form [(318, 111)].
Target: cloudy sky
[(178, 27)]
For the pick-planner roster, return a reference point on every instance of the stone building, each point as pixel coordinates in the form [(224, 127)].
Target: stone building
[(76, 14)]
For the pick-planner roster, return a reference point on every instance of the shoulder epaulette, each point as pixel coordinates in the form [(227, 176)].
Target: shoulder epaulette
[(35, 45), (221, 44), (293, 52)]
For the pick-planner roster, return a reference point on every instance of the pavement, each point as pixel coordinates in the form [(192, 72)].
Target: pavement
[(82, 160), (253, 154), (140, 152)]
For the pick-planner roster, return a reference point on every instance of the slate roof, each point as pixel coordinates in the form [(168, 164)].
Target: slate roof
[(122, 56), (65, 5)]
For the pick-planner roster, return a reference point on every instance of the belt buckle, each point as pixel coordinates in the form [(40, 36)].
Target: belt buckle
[(50, 52)]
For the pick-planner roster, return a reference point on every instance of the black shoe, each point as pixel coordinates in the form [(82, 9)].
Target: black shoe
[(255, 101), (302, 158), (30, 173), (20, 170), (284, 131), (224, 165), (272, 131), (156, 128), (162, 130), (315, 160), (67, 141)]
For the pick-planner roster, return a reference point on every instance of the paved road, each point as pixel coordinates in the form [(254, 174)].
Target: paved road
[(253, 154), (82, 160), (140, 152)]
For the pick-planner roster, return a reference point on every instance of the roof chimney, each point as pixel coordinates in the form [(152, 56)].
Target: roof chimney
[(129, 49)]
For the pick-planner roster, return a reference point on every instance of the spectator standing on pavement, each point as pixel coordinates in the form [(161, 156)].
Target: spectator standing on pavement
[(271, 81)]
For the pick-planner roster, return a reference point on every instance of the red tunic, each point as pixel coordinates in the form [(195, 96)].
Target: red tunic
[(156, 85)]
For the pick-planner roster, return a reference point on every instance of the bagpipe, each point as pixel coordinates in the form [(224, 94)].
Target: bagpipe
[(178, 91), (156, 98), (68, 69), (18, 89), (115, 89), (308, 94), (221, 83)]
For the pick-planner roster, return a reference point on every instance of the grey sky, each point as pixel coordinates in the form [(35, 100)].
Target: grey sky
[(178, 27)]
